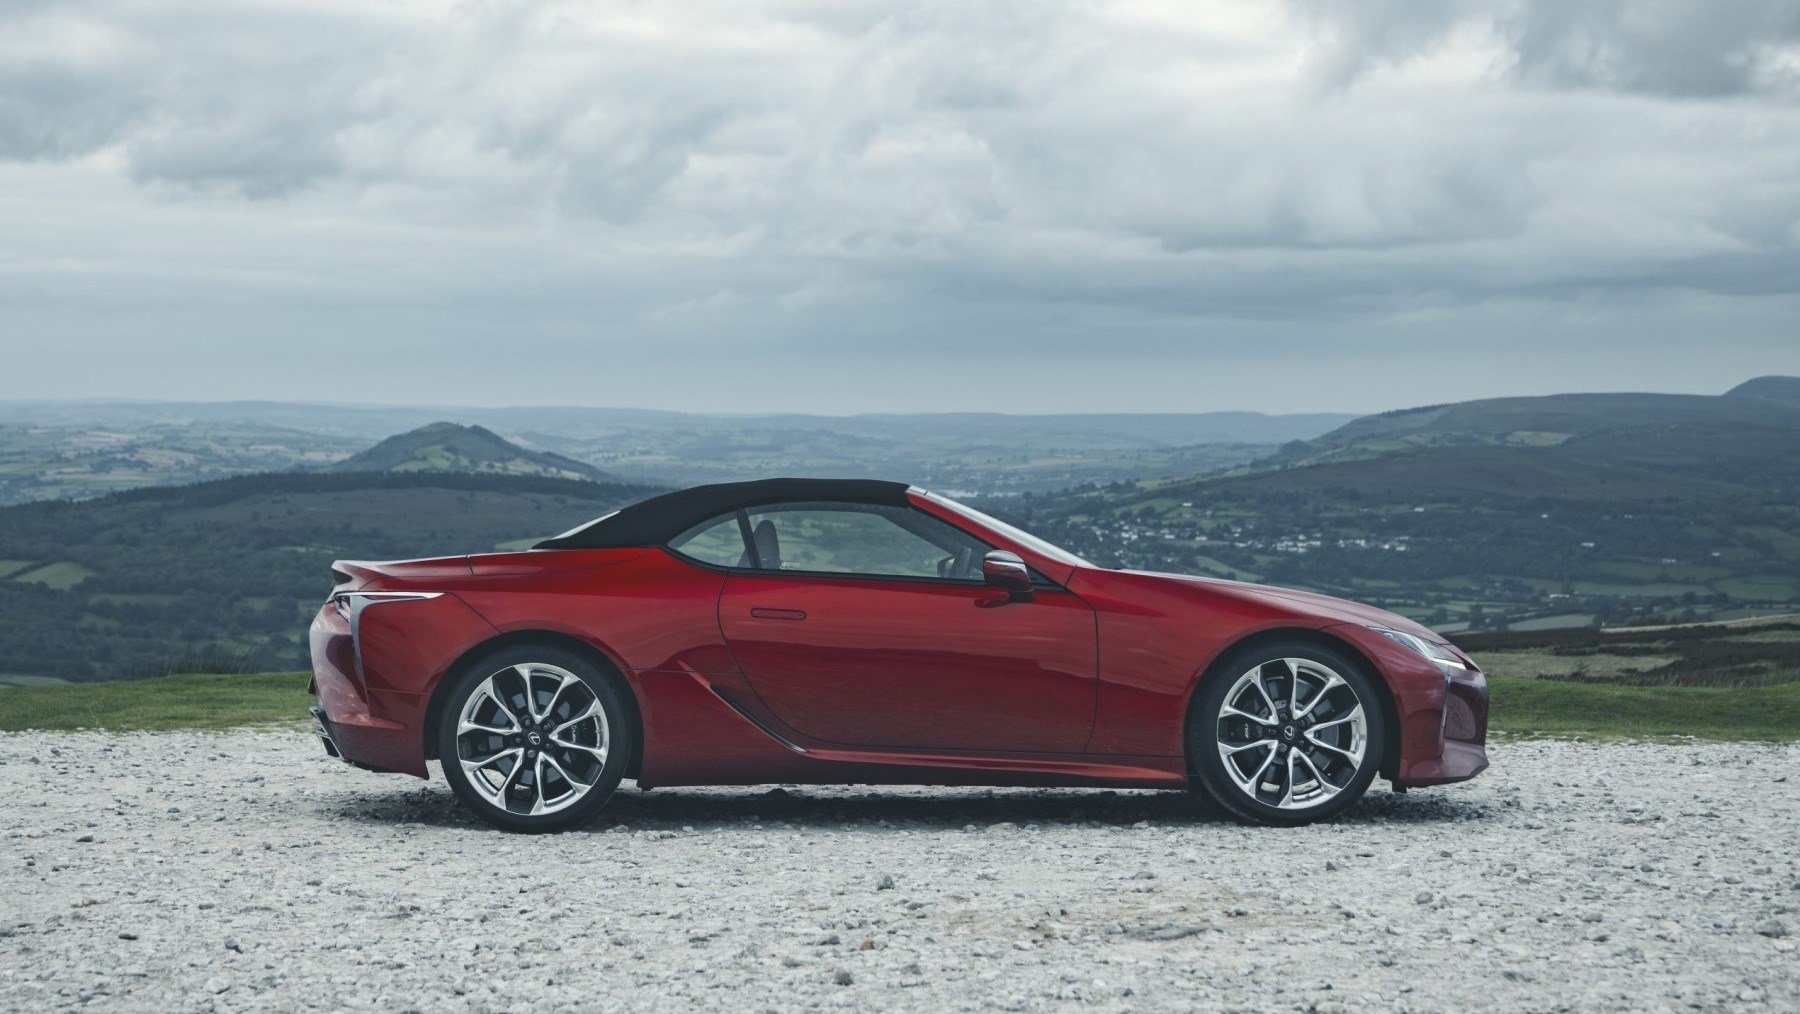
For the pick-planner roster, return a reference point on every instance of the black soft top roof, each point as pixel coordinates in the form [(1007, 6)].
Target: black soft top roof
[(657, 520)]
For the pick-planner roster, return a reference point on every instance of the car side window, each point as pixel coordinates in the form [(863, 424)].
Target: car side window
[(719, 542), (874, 539)]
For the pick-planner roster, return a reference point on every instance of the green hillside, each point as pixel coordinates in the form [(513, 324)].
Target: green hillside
[(1540, 511), (1554, 421), (447, 447), (226, 575)]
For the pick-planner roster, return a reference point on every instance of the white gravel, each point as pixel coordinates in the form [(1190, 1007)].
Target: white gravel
[(245, 872)]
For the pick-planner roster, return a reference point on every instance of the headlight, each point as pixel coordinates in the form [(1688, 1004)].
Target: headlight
[(1426, 648)]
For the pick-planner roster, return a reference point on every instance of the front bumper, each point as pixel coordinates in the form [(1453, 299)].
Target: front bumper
[(1441, 711), (1462, 752), (1459, 763)]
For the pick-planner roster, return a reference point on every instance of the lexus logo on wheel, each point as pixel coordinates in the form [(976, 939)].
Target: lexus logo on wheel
[(1287, 732), (535, 738)]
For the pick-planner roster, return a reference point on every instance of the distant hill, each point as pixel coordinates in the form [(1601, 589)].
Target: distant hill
[(472, 450), (1569, 447), (1163, 429), (1549, 421), (68, 450), (1536, 510), (1785, 389), (229, 573)]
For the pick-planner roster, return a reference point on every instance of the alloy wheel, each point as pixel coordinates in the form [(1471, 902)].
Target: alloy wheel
[(532, 738), (1292, 733)]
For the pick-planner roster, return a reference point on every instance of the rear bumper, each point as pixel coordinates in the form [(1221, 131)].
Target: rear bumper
[(374, 731), (322, 729), (328, 735)]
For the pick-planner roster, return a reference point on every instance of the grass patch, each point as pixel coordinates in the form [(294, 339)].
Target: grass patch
[(60, 576), (1560, 621), (1767, 637), (115, 599), (1542, 664), (158, 704), (21, 680), (1653, 589), (1535, 707), (1760, 587)]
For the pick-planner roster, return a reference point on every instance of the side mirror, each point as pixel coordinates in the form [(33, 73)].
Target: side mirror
[(1001, 569)]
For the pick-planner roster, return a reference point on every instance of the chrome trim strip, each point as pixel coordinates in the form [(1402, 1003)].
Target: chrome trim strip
[(322, 729), (357, 601), (757, 722)]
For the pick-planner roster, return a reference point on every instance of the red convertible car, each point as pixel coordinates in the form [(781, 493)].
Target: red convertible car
[(855, 631)]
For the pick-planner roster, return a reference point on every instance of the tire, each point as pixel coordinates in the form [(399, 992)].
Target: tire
[(1307, 765), (536, 764)]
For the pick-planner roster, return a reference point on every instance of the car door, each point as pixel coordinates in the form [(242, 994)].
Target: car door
[(869, 625)]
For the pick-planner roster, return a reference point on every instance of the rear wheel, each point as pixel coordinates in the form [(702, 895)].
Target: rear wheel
[(534, 738), (1286, 734)]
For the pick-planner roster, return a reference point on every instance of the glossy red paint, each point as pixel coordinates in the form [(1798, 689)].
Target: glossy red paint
[(383, 742), (743, 677), (852, 668)]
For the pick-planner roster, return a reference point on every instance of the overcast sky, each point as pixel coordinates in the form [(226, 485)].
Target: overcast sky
[(845, 205)]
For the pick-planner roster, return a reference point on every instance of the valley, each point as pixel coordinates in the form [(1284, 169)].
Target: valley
[(1617, 509), (1511, 515), (225, 576)]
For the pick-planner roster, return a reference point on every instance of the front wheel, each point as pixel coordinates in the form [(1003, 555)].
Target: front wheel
[(1286, 734), (534, 738)]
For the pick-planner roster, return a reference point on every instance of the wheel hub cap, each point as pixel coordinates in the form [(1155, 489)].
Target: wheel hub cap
[(532, 739), (1292, 733)]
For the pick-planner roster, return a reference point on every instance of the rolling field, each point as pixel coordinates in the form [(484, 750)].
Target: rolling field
[(60, 576), (1736, 680), (1731, 655), (1535, 707)]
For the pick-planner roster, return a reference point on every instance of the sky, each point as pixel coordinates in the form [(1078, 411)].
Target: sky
[(867, 205)]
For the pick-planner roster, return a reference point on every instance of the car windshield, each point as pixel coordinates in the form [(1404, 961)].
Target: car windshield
[(1018, 535)]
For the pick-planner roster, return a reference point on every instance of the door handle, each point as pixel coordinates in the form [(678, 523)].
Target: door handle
[(766, 613)]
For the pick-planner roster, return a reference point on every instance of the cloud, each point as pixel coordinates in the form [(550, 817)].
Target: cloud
[(788, 173), (1670, 48), (1659, 47)]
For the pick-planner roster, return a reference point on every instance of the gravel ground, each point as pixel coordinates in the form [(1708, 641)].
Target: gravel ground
[(245, 871)]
